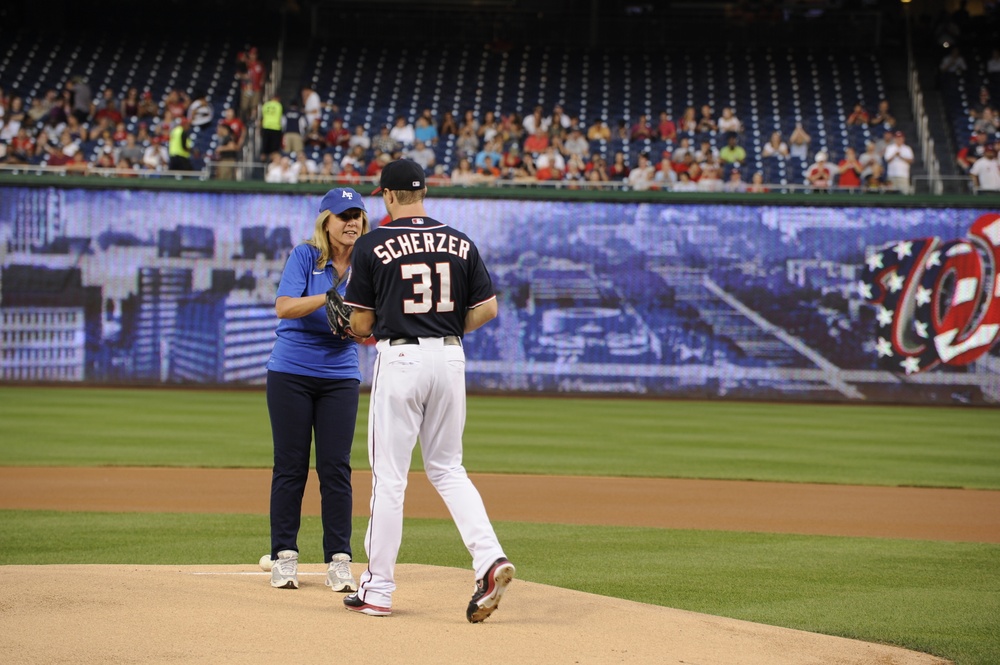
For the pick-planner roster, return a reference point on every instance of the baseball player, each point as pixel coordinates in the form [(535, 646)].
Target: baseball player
[(419, 286)]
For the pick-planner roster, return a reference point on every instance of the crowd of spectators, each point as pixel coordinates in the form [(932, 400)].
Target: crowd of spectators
[(120, 135), (977, 154), (545, 146), (127, 133), (700, 150)]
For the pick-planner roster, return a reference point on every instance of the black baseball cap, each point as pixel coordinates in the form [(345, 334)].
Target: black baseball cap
[(402, 174)]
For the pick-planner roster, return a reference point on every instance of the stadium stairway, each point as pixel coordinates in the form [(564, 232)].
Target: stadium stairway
[(898, 94), (945, 142), (294, 59)]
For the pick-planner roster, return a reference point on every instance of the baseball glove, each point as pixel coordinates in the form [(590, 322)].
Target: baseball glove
[(338, 314)]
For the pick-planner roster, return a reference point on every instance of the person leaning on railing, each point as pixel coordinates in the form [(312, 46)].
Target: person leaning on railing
[(226, 153)]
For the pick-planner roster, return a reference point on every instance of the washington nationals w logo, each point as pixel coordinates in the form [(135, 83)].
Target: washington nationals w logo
[(936, 302)]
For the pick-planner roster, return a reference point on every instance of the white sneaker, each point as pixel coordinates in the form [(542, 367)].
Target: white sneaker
[(284, 573), (338, 575)]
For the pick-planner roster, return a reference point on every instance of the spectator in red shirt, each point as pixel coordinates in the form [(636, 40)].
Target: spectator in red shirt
[(349, 175), (338, 136), (177, 102), (641, 129), (77, 164), (850, 169), (537, 142), (374, 169), (859, 116), (596, 169), (618, 170), (236, 126), (684, 164), (22, 147), (120, 133), (108, 106), (666, 129), (694, 172), (251, 85)]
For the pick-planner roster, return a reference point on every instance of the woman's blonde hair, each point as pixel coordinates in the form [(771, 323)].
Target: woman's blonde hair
[(321, 241)]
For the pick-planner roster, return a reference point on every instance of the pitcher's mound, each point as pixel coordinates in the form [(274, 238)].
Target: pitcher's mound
[(230, 614)]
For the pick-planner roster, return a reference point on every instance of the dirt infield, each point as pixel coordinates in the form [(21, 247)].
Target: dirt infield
[(885, 512), (229, 614), (223, 615)]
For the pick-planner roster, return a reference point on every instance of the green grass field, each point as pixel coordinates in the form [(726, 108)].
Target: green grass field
[(826, 443), (936, 597)]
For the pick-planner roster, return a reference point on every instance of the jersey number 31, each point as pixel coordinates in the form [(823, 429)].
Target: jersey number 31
[(423, 288)]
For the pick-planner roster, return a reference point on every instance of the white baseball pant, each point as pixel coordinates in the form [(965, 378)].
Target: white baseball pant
[(419, 389)]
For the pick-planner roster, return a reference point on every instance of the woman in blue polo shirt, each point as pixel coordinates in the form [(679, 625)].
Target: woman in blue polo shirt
[(313, 383)]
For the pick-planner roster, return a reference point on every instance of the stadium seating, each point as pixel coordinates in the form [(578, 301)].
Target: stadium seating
[(960, 93), (146, 61), (767, 88)]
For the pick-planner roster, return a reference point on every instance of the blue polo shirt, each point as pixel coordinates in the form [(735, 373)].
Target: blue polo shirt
[(305, 345)]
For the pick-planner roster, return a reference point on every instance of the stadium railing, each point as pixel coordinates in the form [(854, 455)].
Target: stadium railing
[(248, 173)]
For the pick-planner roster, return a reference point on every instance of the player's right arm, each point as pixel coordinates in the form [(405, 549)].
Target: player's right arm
[(475, 317), (362, 322)]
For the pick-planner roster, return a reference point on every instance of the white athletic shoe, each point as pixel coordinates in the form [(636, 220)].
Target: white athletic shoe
[(285, 572), (338, 575)]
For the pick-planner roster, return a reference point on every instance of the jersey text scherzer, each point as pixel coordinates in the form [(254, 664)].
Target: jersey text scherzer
[(427, 274)]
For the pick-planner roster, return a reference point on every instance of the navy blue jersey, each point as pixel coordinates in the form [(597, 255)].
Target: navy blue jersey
[(419, 276)]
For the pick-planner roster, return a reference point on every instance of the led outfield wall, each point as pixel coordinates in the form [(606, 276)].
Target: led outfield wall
[(721, 300)]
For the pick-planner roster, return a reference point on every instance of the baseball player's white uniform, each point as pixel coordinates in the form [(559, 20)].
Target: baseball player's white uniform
[(419, 277)]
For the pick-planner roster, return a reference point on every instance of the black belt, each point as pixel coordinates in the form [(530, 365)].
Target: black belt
[(450, 340)]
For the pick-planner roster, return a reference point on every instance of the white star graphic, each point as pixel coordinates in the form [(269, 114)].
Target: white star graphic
[(904, 248), (865, 290), (921, 329), (933, 259), (874, 261), (923, 296), (896, 282), (884, 316), (911, 365), (884, 347)]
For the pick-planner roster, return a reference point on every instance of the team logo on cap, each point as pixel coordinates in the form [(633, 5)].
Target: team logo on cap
[(347, 195)]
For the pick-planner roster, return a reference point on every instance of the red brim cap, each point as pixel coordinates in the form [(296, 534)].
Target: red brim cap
[(377, 191)]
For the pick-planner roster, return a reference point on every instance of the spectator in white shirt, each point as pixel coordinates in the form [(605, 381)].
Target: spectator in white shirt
[(311, 106), (985, 171), (641, 177), (898, 157), (402, 132), (728, 122), (360, 138)]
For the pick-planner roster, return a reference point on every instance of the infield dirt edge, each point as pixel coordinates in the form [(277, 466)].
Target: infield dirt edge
[(230, 614)]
